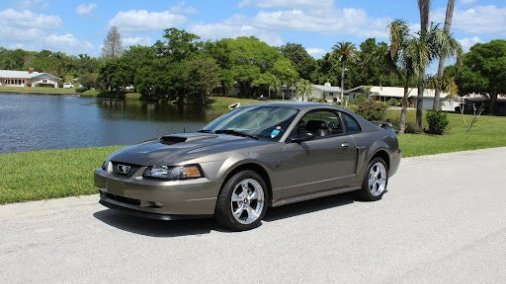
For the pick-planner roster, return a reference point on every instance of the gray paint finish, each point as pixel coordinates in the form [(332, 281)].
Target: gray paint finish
[(296, 171)]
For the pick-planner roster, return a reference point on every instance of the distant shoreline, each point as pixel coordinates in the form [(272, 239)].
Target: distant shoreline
[(37, 91)]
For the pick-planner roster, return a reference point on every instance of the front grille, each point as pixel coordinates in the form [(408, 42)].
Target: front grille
[(123, 199), (124, 170)]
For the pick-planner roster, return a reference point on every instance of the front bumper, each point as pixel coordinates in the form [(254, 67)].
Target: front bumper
[(145, 214), (158, 199)]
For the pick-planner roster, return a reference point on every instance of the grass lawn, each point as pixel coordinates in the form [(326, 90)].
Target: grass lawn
[(219, 105), (69, 172), (488, 132), (37, 90), (49, 174)]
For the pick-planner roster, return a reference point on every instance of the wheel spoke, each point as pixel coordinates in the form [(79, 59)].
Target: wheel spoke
[(244, 187), (238, 212), (251, 213), (253, 195), (236, 197)]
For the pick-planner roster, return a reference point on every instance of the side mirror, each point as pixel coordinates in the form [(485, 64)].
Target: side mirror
[(302, 136)]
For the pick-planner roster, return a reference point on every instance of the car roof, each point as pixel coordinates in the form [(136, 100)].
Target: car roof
[(298, 105)]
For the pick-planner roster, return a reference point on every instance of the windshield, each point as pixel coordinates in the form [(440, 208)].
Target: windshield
[(267, 122)]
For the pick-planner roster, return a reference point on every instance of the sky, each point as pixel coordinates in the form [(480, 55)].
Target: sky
[(77, 26)]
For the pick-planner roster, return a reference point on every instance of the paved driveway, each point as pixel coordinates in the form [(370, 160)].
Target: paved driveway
[(443, 220)]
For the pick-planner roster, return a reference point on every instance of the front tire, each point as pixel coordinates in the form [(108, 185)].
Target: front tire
[(242, 203), (375, 180)]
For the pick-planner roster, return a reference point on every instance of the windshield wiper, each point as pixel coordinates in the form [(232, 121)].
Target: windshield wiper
[(235, 132), (205, 131)]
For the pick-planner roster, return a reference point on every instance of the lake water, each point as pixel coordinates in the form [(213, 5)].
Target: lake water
[(36, 122)]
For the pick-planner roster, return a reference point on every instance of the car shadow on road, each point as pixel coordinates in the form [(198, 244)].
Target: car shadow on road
[(156, 228), (177, 228), (305, 207)]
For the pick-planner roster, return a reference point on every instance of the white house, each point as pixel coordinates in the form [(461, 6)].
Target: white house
[(386, 93), (324, 92), (26, 78)]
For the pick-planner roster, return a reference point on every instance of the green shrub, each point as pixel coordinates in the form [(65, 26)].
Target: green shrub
[(437, 121), (371, 110), (45, 85), (393, 102)]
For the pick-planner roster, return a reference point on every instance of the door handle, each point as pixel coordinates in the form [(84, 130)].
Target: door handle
[(345, 145)]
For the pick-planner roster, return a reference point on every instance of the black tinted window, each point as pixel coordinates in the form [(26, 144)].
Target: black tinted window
[(321, 123), (351, 124)]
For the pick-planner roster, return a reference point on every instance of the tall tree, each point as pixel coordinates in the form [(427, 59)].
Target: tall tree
[(345, 51), (424, 9), (440, 68), (177, 44), (401, 52), (302, 61), (112, 43), (483, 71)]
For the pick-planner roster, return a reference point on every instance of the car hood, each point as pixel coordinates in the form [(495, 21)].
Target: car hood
[(173, 147)]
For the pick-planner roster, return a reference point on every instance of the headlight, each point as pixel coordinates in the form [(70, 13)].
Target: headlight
[(107, 166), (174, 172)]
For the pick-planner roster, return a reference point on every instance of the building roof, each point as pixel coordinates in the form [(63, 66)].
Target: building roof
[(398, 92), (327, 88), (22, 74)]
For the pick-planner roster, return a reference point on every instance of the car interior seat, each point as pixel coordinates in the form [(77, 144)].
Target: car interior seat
[(317, 127)]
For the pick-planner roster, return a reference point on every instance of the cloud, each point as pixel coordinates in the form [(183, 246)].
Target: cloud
[(85, 9), (143, 21), (316, 52), (312, 4), (33, 4), (135, 40), (25, 25), (477, 20), (34, 31), (67, 43), (244, 3), (468, 42), (468, 1), (273, 19), (10, 18), (234, 27), (349, 21)]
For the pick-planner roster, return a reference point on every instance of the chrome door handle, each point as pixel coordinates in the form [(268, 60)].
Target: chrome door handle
[(345, 145)]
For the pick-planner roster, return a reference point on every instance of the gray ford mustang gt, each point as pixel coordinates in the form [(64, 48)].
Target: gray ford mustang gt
[(249, 159)]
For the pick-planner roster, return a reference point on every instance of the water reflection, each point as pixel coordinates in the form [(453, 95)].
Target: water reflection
[(33, 122)]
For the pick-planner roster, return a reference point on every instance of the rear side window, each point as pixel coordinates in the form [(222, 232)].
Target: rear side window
[(351, 124)]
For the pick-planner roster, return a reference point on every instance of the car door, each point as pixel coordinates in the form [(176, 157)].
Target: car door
[(328, 161)]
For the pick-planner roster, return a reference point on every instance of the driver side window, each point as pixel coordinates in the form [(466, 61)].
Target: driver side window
[(321, 123)]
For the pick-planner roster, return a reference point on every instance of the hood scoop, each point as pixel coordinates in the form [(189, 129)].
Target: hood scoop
[(184, 138)]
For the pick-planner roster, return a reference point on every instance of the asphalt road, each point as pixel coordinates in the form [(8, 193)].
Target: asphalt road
[(442, 221)]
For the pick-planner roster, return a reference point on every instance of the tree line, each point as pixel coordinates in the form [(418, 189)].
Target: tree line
[(180, 67)]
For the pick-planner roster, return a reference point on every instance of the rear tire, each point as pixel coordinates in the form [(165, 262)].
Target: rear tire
[(242, 203), (375, 180)]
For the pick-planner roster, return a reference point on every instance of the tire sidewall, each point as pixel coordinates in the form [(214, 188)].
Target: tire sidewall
[(223, 210)]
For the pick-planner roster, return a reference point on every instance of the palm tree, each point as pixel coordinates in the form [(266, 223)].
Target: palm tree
[(412, 54), (431, 44), (401, 48), (422, 57), (440, 68), (344, 51), (303, 87)]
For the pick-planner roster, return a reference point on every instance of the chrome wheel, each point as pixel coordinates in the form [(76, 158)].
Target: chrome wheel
[(247, 201), (377, 179)]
